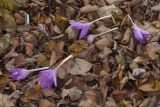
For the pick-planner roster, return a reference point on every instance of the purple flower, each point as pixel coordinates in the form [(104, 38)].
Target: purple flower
[(18, 73), (140, 34), (47, 78), (84, 27)]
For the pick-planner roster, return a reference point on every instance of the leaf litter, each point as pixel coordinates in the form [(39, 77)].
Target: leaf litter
[(86, 53)]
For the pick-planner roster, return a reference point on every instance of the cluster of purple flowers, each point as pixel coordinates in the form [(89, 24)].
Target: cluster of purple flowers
[(46, 78), (139, 34)]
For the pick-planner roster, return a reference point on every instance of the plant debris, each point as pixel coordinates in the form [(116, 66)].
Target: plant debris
[(79, 53)]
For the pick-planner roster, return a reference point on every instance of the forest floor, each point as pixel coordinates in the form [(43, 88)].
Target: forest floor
[(114, 61)]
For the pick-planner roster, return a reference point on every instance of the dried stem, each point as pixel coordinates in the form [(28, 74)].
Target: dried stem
[(44, 68), (106, 31), (100, 19), (70, 56), (38, 69), (130, 18)]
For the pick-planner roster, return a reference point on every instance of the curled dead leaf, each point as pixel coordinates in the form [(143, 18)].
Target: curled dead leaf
[(78, 46), (29, 49), (89, 9)]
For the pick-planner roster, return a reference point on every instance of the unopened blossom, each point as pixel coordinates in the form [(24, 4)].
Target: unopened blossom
[(47, 78), (90, 38), (140, 34), (84, 27), (18, 73), (41, 27)]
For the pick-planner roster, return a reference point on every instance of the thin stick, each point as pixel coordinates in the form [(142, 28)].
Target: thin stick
[(130, 19), (100, 18), (70, 56), (26, 18), (106, 31), (38, 69)]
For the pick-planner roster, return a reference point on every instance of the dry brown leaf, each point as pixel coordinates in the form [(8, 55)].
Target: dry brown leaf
[(5, 41), (8, 22), (87, 103), (19, 19), (110, 102), (14, 41), (89, 9), (126, 103), (65, 92), (20, 59), (75, 94), (105, 53), (103, 88), (148, 87), (59, 49), (156, 7), (5, 101), (101, 44), (127, 37), (152, 50), (61, 21), (72, 33), (47, 92), (145, 102), (78, 46), (11, 54), (78, 67), (123, 82), (29, 49), (53, 59), (33, 93), (46, 103), (107, 10)]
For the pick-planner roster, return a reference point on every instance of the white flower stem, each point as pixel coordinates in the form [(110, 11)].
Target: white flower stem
[(100, 19), (130, 18), (70, 56), (106, 31), (38, 69), (44, 68)]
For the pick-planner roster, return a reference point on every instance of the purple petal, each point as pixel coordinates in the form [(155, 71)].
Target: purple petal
[(84, 27), (47, 78), (138, 36), (84, 32), (18, 73), (78, 25)]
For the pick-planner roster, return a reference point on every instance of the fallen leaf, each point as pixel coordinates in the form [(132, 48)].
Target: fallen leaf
[(89, 9), (5, 101), (19, 19), (29, 49), (145, 102), (8, 22), (5, 41), (78, 46), (152, 50), (75, 94), (126, 103), (72, 33), (123, 82), (78, 67), (46, 103), (101, 44), (110, 102)]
